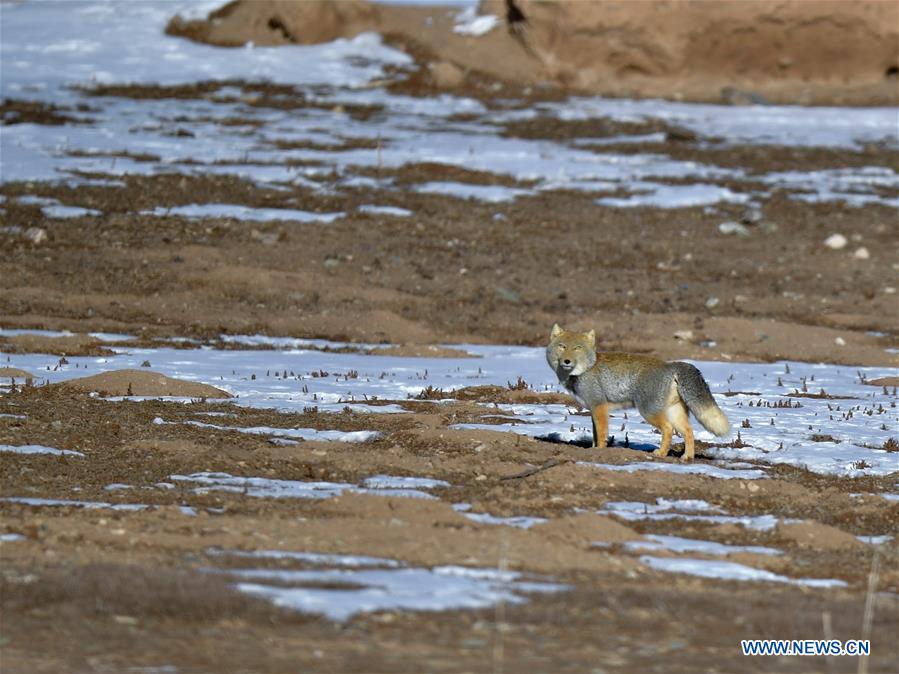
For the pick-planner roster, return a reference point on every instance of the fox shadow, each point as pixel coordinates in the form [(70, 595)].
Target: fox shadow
[(586, 442)]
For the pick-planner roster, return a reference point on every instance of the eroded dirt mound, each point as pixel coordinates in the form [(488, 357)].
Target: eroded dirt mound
[(15, 374), (739, 52), (766, 48), (273, 22), (140, 383), (587, 530), (815, 534)]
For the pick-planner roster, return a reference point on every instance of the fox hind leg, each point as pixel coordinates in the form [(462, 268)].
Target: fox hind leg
[(678, 417), (661, 422)]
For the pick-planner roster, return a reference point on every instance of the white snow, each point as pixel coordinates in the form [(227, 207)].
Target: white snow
[(205, 211), (301, 433), (518, 521), (685, 510), (395, 482), (362, 584), (705, 568), (65, 503), (489, 193), (261, 487), (384, 210), (63, 212), (798, 126), (391, 378), (674, 196), (78, 43), (854, 186), (38, 449), (678, 544), (317, 558), (875, 540), (468, 22)]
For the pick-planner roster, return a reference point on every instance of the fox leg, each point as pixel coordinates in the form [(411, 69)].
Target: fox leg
[(600, 414), (661, 422), (677, 416)]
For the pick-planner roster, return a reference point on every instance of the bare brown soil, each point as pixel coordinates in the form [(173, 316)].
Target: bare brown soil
[(454, 273), (94, 590)]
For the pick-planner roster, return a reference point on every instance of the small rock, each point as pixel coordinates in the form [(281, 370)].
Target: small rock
[(684, 335), (839, 341), (36, 235), (752, 215), (861, 253), (836, 241), (712, 302), (265, 238), (727, 228)]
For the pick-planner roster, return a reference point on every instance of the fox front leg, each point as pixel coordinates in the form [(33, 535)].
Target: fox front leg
[(600, 415)]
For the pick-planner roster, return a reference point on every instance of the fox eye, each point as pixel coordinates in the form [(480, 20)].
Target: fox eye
[(577, 348)]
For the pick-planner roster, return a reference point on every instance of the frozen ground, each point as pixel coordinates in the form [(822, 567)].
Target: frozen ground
[(54, 56), (820, 418)]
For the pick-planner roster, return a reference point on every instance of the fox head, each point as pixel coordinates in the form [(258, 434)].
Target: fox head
[(570, 353)]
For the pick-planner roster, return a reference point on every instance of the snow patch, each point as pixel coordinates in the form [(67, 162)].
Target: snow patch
[(678, 545), (261, 487), (705, 568), (367, 584), (237, 212), (38, 449)]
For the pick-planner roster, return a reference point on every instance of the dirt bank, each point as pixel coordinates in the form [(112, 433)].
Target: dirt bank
[(805, 52)]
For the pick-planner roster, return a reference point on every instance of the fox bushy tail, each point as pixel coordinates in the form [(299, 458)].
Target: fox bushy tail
[(695, 393)]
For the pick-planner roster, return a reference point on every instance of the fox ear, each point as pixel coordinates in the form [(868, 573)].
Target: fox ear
[(591, 337), (556, 331)]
